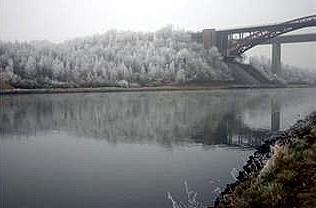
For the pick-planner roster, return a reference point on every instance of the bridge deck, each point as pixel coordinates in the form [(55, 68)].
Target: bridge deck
[(292, 39)]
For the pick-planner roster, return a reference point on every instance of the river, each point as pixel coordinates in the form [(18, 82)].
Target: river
[(129, 149)]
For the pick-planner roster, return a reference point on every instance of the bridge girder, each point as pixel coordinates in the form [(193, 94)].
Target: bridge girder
[(237, 41)]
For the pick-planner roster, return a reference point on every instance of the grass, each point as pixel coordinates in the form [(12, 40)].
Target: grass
[(287, 180), (5, 86)]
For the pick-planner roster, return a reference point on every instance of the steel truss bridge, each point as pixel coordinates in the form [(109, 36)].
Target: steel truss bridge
[(234, 42)]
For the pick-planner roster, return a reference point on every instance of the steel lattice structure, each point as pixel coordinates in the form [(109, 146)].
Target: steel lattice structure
[(241, 40)]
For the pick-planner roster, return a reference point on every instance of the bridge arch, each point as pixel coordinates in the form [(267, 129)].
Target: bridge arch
[(232, 43), (241, 40)]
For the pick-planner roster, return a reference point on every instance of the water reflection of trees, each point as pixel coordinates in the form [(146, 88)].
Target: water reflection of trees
[(164, 118)]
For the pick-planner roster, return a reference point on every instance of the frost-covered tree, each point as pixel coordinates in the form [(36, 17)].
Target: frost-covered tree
[(30, 66), (289, 73), (103, 60)]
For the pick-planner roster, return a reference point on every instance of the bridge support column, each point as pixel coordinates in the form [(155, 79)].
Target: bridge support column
[(209, 38), (276, 58)]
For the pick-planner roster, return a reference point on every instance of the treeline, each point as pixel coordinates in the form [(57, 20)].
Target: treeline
[(290, 74), (164, 56)]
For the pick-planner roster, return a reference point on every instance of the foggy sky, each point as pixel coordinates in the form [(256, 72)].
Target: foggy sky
[(57, 20)]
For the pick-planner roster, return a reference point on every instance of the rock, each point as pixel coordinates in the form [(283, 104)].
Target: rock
[(122, 83), (256, 162)]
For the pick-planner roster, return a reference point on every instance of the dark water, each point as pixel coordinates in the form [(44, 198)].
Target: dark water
[(129, 150)]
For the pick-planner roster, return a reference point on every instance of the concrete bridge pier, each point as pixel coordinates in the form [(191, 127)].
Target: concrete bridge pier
[(276, 58)]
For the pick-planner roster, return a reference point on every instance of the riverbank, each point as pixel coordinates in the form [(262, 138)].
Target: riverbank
[(281, 173), (139, 89)]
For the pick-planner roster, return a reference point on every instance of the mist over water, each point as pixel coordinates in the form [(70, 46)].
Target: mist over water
[(130, 149), (134, 142)]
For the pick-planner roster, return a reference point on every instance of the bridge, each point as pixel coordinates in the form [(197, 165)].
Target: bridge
[(232, 43), (276, 47)]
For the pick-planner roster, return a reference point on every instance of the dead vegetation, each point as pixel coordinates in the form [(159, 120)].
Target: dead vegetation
[(288, 178), (5, 86)]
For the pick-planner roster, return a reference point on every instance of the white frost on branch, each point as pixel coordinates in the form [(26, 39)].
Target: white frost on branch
[(192, 200), (166, 54)]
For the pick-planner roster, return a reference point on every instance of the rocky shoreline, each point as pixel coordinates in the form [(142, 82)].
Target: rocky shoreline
[(247, 190)]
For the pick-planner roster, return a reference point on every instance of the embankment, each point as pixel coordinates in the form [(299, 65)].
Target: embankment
[(281, 173), (141, 89)]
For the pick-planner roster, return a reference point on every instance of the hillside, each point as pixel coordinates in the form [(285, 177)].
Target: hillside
[(164, 56)]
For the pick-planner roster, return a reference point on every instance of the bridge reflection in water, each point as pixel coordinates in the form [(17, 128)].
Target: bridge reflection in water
[(238, 133), (164, 118)]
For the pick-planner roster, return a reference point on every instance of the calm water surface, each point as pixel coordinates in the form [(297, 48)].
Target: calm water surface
[(130, 149)]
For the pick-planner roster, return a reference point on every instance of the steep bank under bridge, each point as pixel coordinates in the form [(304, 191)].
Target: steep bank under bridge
[(281, 173), (245, 74)]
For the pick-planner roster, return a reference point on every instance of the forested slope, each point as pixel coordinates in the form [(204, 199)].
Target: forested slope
[(166, 56)]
